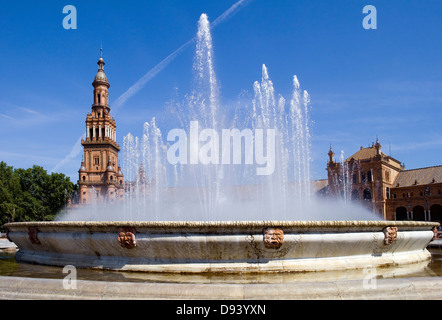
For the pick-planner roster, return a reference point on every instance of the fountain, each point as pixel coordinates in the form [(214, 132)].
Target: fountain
[(223, 197)]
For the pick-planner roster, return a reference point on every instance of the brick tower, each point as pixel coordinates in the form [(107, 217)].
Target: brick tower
[(100, 176)]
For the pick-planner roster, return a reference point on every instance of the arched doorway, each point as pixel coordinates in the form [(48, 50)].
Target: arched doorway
[(418, 213), (436, 212), (401, 213)]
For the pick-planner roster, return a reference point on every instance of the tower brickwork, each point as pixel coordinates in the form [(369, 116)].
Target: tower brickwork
[(100, 176)]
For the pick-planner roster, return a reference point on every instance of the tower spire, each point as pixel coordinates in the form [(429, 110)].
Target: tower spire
[(100, 77)]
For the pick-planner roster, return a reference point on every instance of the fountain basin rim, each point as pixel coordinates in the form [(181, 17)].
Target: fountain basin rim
[(366, 224), (221, 246)]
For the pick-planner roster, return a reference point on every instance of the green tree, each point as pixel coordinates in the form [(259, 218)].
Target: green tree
[(9, 188), (32, 194)]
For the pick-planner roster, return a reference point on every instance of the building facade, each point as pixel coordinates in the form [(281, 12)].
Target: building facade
[(100, 175), (381, 183)]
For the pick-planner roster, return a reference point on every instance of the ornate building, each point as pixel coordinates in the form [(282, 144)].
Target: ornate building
[(381, 183), (100, 176)]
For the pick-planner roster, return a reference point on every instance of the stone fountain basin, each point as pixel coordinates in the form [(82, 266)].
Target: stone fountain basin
[(223, 247)]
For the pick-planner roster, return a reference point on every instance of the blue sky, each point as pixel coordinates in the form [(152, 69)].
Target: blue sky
[(363, 83)]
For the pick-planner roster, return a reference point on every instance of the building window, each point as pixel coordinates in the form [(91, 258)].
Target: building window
[(363, 176), (354, 178), (387, 192), (369, 177), (387, 175), (394, 195), (367, 195), (96, 161)]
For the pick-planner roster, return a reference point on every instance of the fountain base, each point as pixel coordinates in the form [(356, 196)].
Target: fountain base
[(223, 247)]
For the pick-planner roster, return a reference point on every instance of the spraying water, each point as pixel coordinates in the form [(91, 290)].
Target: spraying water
[(255, 166)]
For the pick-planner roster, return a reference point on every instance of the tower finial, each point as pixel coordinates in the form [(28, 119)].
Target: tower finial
[(101, 76), (331, 155)]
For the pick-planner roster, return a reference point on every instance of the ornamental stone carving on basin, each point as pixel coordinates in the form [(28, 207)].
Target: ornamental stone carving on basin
[(273, 238), (32, 232), (435, 232), (126, 238), (390, 235)]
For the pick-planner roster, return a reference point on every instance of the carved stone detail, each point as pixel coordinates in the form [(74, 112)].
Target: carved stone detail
[(32, 232), (435, 231), (390, 235), (273, 238), (126, 237)]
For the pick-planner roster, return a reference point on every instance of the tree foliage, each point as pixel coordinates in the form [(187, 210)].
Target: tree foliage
[(32, 194)]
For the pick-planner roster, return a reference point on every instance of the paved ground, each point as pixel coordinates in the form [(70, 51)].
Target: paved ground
[(403, 288), (6, 244), (436, 244)]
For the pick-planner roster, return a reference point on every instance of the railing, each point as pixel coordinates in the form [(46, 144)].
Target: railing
[(96, 183), (100, 141)]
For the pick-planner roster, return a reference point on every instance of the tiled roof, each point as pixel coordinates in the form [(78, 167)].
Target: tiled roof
[(319, 184), (420, 176), (364, 153)]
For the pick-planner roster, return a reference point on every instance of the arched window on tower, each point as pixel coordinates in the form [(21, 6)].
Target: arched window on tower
[(99, 98)]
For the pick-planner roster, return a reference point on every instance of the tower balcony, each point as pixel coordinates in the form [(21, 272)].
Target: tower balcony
[(116, 184), (100, 141)]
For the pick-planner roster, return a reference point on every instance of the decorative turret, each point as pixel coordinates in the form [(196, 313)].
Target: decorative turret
[(377, 147), (82, 168), (100, 77), (331, 155)]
